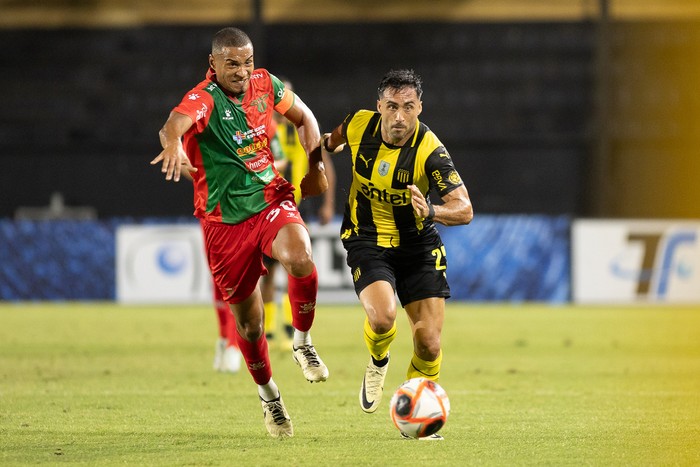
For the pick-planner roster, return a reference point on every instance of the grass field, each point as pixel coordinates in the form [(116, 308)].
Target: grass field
[(101, 384)]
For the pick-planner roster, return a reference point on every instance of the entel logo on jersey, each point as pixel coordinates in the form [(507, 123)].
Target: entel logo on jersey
[(660, 261), (395, 199)]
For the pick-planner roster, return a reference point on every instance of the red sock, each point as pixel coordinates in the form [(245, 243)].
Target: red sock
[(256, 357), (224, 314), (231, 329), (302, 296)]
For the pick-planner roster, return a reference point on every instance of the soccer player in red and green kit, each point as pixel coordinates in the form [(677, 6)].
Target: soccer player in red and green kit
[(219, 135)]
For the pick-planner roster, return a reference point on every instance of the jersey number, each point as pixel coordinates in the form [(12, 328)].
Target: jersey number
[(286, 205), (439, 254)]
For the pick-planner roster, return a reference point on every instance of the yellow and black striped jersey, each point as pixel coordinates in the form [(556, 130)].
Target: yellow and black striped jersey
[(294, 153), (379, 210)]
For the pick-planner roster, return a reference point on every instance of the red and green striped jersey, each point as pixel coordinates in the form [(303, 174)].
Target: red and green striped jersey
[(230, 145)]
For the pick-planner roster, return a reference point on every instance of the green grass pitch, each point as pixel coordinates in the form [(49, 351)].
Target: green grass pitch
[(103, 384)]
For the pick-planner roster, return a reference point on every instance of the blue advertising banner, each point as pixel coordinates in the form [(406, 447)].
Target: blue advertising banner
[(495, 258), (509, 258)]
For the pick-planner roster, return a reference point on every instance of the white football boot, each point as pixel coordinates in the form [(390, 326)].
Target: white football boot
[(311, 364), (373, 386), (276, 418)]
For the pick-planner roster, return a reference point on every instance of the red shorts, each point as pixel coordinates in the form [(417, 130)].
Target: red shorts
[(234, 251)]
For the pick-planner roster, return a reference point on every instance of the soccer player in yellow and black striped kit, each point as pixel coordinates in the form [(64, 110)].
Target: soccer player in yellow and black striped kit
[(389, 226)]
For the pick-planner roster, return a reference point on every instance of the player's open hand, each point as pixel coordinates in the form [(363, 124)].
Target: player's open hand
[(175, 161)]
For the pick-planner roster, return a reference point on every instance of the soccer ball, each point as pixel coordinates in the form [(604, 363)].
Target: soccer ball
[(419, 407)]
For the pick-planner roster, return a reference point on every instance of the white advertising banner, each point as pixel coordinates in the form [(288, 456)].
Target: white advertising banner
[(161, 264), (633, 261), (166, 264)]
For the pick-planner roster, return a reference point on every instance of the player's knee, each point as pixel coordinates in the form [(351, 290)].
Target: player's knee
[(251, 331), (382, 322), (298, 262), (428, 348)]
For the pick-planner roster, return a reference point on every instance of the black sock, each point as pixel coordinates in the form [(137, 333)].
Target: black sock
[(381, 362)]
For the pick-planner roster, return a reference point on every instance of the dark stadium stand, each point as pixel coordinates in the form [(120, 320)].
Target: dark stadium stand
[(513, 102)]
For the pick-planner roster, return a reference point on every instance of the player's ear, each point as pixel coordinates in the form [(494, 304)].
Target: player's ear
[(379, 105), (211, 61), (419, 108)]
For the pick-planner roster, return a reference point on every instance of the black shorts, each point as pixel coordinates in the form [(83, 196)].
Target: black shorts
[(415, 272)]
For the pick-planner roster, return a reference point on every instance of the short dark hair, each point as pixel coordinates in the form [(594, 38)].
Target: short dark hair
[(399, 79), (229, 37)]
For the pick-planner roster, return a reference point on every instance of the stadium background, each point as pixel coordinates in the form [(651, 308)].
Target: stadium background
[(552, 110)]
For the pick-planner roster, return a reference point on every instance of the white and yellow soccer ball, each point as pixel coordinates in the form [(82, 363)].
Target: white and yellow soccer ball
[(419, 407)]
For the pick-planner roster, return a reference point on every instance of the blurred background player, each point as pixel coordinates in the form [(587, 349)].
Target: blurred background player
[(227, 355), (291, 160)]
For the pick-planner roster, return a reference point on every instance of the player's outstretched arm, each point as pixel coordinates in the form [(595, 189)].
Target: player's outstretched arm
[(314, 182), (173, 156)]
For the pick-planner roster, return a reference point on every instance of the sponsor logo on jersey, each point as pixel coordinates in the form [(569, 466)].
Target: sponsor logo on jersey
[(193, 97), (395, 198), (202, 112), (265, 176), (439, 181), (249, 134), (252, 147), (228, 115), (257, 163)]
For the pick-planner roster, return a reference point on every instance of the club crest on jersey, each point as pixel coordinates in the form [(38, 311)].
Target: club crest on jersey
[(260, 103), (383, 168), (402, 175)]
